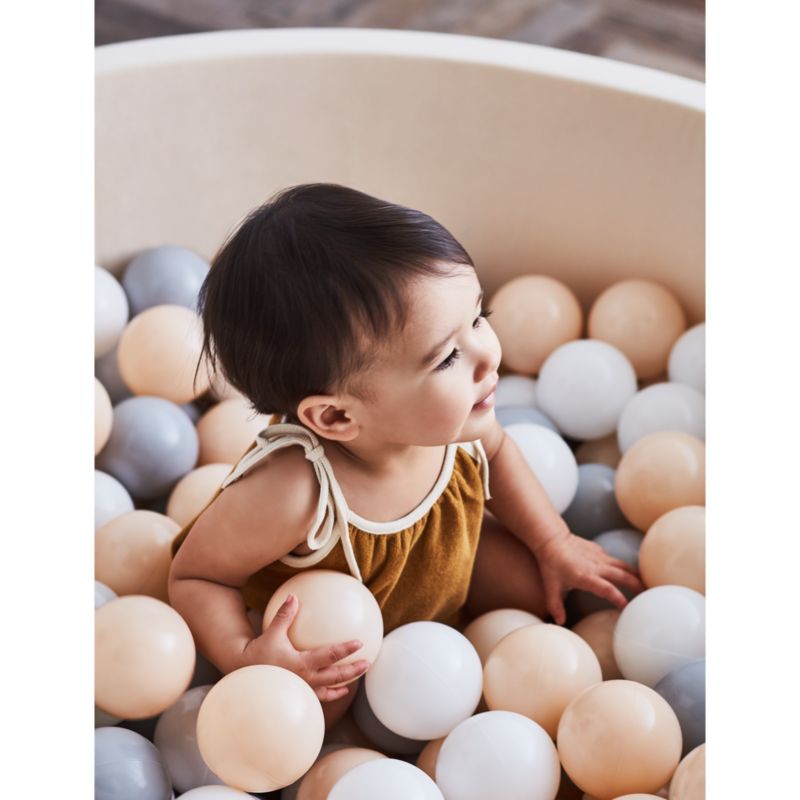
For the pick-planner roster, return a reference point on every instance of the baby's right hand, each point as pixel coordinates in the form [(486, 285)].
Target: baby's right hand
[(317, 667)]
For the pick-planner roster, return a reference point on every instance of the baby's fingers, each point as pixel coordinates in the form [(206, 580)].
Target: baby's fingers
[(322, 657), (625, 579), (602, 588), (341, 673), (328, 693)]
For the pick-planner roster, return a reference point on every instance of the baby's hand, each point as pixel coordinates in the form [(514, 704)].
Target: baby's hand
[(571, 562), (317, 667)]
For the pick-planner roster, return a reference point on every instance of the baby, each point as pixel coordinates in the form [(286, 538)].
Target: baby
[(362, 323)]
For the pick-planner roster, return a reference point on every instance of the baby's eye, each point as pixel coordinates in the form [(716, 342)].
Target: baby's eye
[(450, 360), (485, 312)]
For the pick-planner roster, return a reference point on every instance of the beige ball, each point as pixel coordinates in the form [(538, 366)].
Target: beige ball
[(532, 315), (689, 780), (260, 728), (599, 451), (226, 430), (642, 319), (537, 671), (488, 629), (144, 657), (320, 779), (132, 553), (194, 491), (426, 760), (619, 737), (597, 630), (103, 416), (674, 550), (158, 353), (660, 472), (334, 608)]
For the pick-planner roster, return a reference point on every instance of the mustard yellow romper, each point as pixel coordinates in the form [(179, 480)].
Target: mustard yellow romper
[(418, 567)]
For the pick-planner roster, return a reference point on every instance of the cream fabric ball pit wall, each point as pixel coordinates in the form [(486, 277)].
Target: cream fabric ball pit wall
[(538, 160)]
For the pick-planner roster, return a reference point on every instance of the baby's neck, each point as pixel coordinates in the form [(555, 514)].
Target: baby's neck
[(376, 459)]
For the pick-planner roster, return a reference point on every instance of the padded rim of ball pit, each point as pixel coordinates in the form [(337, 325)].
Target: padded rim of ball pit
[(538, 160)]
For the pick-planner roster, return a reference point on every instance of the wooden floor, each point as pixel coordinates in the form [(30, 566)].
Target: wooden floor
[(664, 34)]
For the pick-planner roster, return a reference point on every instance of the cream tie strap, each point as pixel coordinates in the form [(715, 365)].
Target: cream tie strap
[(330, 520)]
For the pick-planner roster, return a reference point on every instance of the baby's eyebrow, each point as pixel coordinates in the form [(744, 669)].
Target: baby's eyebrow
[(434, 351)]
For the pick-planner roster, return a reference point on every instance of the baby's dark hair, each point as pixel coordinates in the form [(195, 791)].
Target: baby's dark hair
[(299, 299)]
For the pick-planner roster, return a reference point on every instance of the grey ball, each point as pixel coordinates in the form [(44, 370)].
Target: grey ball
[(511, 415), (384, 740), (168, 275), (106, 370), (102, 594), (594, 508), (153, 444), (128, 767), (685, 690)]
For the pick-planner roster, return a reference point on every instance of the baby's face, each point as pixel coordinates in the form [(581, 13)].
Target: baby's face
[(438, 367)]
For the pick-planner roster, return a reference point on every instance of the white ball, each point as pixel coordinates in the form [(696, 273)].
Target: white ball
[(583, 387), (551, 460), (515, 390), (687, 359), (175, 737), (387, 779), (111, 499), (498, 754), (426, 679), (662, 407), (660, 630), (110, 311), (215, 793), (102, 595)]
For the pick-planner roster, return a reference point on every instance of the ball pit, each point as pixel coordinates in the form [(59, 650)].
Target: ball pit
[(628, 177)]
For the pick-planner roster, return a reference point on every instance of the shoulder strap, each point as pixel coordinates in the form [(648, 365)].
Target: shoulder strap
[(330, 520), (476, 450)]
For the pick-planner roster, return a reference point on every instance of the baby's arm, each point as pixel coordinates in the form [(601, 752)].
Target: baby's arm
[(253, 523), (565, 561)]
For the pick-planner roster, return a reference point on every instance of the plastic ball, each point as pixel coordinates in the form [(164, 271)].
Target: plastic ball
[(144, 657), (642, 319), (583, 387), (689, 780), (488, 629), (377, 733), (175, 737), (594, 508), (426, 679), (106, 370), (511, 415), (159, 351), (551, 460), (193, 492), (110, 311), (597, 630), (674, 550), (599, 451), (127, 766), (426, 760), (167, 275), (104, 720), (111, 499), (102, 595), (537, 670), (662, 407), (687, 359), (515, 390), (323, 776), (619, 737), (103, 416), (534, 314), (227, 429), (659, 630), (152, 445), (260, 728), (661, 472), (334, 607), (685, 690), (388, 779), (215, 793), (132, 553), (498, 754)]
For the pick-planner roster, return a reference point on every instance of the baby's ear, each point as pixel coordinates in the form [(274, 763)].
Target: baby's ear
[(325, 416)]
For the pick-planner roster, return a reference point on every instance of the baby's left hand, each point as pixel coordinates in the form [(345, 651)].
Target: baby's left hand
[(571, 562)]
